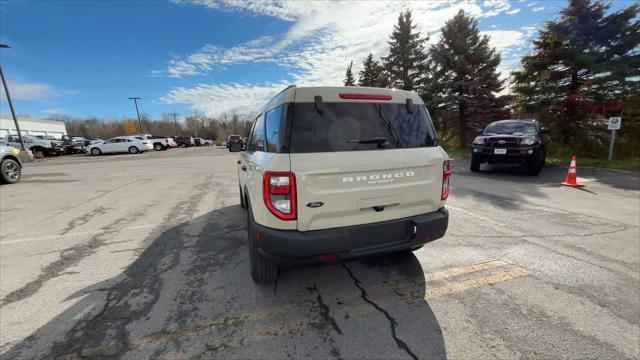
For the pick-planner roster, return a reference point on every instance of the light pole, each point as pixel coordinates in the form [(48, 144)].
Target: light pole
[(135, 101), (175, 122), (13, 112)]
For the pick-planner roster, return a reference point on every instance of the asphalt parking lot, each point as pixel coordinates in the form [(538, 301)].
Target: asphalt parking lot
[(145, 256)]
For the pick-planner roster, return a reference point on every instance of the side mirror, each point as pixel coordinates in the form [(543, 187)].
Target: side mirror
[(235, 147), (544, 130)]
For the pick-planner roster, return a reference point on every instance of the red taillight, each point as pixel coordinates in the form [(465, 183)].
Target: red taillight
[(352, 96), (145, 142), (446, 175), (279, 193)]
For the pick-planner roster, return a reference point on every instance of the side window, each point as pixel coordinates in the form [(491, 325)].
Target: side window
[(257, 140), (275, 129)]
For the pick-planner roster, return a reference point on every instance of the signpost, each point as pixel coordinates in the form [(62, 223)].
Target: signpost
[(614, 124)]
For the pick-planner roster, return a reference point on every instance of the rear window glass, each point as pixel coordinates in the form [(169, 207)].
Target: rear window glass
[(347, 126)]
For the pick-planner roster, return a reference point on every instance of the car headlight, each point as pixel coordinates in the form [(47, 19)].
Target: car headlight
[(479, 140), (15, 151), (528, 141)]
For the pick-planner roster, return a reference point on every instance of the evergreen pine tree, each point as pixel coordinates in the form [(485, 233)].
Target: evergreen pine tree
[(372, 74), (348, 78), (584, 66), (406, 64), (467, 81)]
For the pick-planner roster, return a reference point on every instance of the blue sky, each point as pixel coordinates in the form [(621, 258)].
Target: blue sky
[(84, 58)]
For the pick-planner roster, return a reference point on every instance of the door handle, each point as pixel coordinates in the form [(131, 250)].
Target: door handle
[(243, 168)]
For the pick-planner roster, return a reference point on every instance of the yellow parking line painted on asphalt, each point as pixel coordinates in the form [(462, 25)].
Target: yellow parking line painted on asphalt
[(427, 277), (366, 309), (360, 309), (309, 303), (351, 310)]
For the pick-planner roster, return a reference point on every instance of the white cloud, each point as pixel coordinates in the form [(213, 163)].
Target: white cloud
[(29, 91), (513, 11), (323, 38), (536, 9), (219, 98), (503, 40)]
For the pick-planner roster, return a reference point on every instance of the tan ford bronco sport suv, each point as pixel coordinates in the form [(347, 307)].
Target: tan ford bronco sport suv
[(334, 173)]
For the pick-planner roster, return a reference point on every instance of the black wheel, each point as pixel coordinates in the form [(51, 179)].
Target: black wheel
[(242, 204), (133, 150), (158, 147), (534, 166), (263, 270), (475, 164), (95, 151), (37, 153), (10, 171), (183, 145)]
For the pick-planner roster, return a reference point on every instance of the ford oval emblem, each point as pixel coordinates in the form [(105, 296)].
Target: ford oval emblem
[(315, 204)]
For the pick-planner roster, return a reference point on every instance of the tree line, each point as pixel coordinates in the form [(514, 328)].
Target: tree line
[(195, 124), (583, 68)]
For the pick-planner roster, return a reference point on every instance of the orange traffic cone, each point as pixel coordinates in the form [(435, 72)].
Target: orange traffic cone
[(572, 175)]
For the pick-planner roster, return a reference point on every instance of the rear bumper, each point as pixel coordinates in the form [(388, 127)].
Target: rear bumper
[(292, 247)]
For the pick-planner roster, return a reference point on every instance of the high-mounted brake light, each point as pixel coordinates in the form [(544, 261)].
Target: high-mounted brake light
[(352, 96), (279, 193), (446, 175)]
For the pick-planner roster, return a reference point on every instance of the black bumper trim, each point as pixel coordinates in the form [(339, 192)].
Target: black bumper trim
[(292, 247)]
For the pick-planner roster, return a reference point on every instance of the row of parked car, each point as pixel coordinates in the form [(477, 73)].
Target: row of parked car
[(47, 145)]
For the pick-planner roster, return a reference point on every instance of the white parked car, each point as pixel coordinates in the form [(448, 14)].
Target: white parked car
[(121, 144)]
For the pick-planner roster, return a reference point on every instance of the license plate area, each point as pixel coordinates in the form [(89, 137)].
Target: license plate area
[(380, 234), (500, 151)]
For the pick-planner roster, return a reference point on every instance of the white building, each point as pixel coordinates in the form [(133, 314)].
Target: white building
[(32, 126)]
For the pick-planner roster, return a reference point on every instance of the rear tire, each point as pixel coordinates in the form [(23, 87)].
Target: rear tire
[(475, 164), (534, 167), (133, 150), (263, 270), (158, 147), (37, 153), (183, 145), (10, 171)]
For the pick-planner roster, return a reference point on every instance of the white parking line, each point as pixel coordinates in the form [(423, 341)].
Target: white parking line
[(83, 233)]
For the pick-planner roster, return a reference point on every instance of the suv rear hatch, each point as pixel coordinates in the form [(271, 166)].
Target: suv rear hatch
[(363, 160)]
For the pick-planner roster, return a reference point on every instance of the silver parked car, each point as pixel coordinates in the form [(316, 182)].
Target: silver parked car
[(10, 165)]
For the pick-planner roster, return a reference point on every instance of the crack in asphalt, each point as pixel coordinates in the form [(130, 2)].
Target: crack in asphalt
[(105, 334), (392, 322), (326, 318), (324, 310), (69, 257), (81, 220), (621, 229)]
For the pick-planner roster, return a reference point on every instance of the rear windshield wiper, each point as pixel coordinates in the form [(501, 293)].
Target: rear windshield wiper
[(380, 140), (391, 127)]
